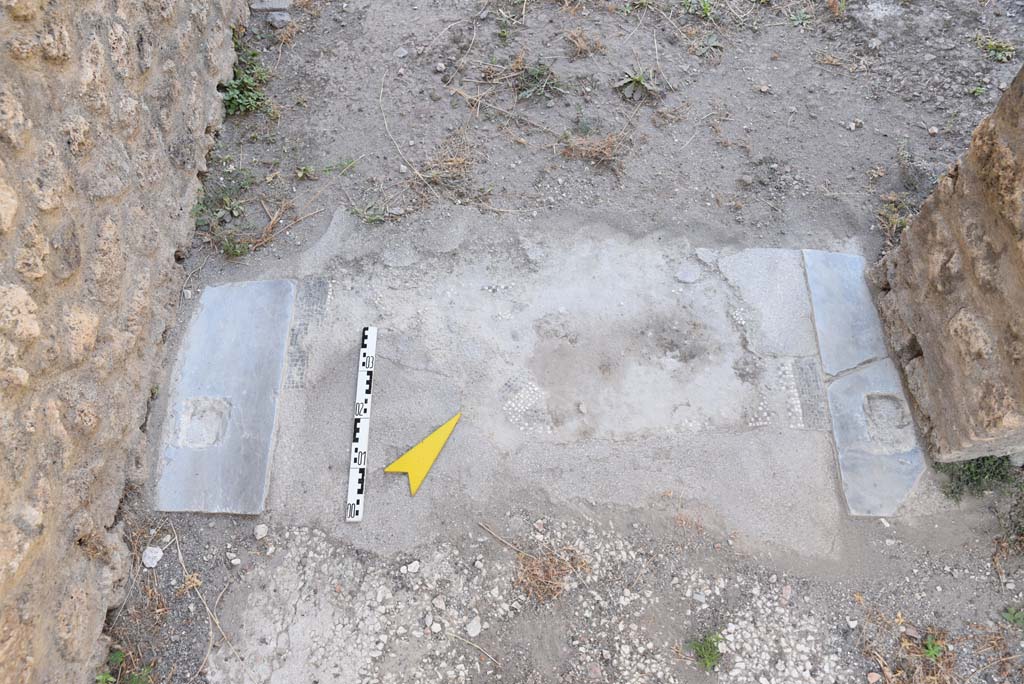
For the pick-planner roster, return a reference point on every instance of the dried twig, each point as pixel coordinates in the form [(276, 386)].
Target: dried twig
[(458, 65), (470, 643), (638, 25), (265, 210), (990, 665), (504, 541), (209, 611), (657, 62), (303, 218), (669, 20), (209, 641), (766, 202), (442, 32), (190, 275), (387, 129), (268, 230), (739, 16), (478, 101)]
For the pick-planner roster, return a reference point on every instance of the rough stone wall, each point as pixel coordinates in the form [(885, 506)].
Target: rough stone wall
[(106, 113), (953, 295)]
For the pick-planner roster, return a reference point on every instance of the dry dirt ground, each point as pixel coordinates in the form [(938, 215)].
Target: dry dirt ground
[(484, 129)]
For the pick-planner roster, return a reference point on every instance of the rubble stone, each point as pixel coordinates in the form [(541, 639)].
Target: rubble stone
[(91, 213)]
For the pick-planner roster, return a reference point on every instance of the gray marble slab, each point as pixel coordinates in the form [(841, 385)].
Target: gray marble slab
[(223, 400), (849, 332), (880, 460)]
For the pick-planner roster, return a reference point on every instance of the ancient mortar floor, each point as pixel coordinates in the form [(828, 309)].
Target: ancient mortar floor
[(594, 371), (611, 373)]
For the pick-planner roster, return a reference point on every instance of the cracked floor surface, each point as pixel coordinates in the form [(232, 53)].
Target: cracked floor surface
[(589, 372)]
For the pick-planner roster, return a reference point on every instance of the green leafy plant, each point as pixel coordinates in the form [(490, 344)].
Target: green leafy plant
[(977, 91), (974, 477), (143, 676), (371, 214), (244, 92), (116, 663), (705, 9), (634, 5), (305, 173), (710, 46), (232, 247), (581, 125), (229, 206), (1015, 616), (537, 79), (210, 216), (933, 648), (706, 651), (995, 49), (800, 18), (638, 84)]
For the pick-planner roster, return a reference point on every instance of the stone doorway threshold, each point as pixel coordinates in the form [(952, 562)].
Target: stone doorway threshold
[(749, 382)]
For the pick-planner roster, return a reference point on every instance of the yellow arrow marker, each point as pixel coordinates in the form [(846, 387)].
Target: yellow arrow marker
[(416, 462)]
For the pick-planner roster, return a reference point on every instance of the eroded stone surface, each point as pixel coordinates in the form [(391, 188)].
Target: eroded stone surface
[(879, 458), (106, 114), (952, 295), (223, 403), (596, 375)]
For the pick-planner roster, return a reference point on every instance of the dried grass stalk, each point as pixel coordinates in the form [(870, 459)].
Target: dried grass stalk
[(543, 577), (581, 45), (605, 150)]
